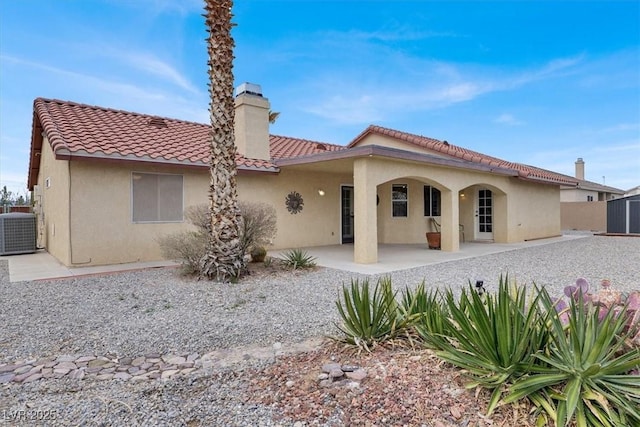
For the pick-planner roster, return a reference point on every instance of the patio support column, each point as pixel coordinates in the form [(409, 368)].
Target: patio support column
[(450, 221), (365, 247)]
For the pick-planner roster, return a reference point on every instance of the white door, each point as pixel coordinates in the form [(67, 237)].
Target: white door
[(484, 215)]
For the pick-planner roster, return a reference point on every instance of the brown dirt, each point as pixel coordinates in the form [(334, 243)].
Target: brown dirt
[(403, 387)]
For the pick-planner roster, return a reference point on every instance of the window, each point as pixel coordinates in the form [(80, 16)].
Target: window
[(589, 198), (431, 201), (156, 197), (399, 200)]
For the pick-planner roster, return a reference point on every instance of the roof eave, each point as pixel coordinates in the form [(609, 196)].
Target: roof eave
[(64, 154), (394, 153)]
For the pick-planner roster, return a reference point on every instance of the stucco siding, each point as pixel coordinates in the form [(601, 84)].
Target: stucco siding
[(101, 213), (318, 223), (534, 211), (53, 204), (104, 233)]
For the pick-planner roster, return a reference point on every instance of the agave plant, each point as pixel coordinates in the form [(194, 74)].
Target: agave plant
[(428, 314), (583, 375), (298, 258), (369, 318), (495, 337)]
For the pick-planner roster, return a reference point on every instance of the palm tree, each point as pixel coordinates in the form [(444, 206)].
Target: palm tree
[(224, 258)]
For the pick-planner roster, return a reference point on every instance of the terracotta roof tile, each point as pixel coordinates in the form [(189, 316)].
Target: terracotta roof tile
[(89, 131), (286, 147), (443, 147)]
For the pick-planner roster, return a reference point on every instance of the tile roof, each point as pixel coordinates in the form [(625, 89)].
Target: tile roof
[(284, 147), (80, 130), (450, 150)]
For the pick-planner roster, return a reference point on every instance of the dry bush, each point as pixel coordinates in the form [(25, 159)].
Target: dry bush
[(257, 228), (258, 225), (188, 247)]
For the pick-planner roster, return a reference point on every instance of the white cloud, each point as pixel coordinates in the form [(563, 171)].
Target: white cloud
[(508, 119), (152, 65)]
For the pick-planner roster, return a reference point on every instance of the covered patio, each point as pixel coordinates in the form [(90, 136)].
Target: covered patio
[(401, 257)]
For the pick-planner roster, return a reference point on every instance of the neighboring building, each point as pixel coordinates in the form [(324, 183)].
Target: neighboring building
[(584, 207), (108, 183), (587, 191), (632, 191)]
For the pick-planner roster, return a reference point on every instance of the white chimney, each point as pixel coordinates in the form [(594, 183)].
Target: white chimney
[(252, 122), (580, 169)]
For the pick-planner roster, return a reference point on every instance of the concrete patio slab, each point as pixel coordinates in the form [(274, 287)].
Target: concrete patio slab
[(41, 266), (402, 257)]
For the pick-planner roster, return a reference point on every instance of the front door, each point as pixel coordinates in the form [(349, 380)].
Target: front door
[(484, 215), (346, 209)]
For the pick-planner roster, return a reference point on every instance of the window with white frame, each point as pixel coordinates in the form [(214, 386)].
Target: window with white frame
[(399, 200), (431, 201), (156, 197)]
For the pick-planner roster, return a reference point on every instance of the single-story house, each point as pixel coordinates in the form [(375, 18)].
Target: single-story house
[(587, 191), (584, 206), (107, 183)]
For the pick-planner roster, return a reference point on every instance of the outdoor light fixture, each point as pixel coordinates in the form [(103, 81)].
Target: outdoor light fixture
[(320, 191)]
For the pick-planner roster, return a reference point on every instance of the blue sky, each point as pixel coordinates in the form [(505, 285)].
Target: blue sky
[(541, 83)]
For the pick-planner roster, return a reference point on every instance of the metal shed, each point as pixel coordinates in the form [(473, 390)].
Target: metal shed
[(623, 215)]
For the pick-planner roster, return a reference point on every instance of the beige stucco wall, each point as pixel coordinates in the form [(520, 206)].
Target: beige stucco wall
[(318, 223), (534, 211), (102, 228), (53, 205), (103, 231), (591, 216)]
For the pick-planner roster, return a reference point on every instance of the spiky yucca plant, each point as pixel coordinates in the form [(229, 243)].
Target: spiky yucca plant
[(224, 257)]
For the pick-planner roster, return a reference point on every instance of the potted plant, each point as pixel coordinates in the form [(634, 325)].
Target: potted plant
[(434, 237)]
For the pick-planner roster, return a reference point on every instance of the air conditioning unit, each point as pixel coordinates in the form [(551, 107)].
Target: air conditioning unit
[(17, 233)]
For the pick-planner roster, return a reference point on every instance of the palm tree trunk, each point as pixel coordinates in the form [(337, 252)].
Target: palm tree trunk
[(224, 258)]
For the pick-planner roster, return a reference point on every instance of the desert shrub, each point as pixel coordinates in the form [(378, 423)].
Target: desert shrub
[(496, 336), (574, 362), (187, 247), (257, 228), (368, 318), (298, 258), (426, 312), (258, 254), (586, 374)]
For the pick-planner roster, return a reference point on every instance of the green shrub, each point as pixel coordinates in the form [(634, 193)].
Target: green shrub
[(297, 258), (368, 318), (258, 254), (427, 313), (496, 336), (583, 372)]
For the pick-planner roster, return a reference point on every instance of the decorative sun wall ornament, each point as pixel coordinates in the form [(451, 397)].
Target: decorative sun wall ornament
[(294, 202)]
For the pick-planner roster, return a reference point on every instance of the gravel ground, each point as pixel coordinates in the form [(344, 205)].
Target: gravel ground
[(133, 313)]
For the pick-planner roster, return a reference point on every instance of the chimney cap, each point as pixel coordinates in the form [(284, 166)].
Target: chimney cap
[(579, 160), (249, 89)]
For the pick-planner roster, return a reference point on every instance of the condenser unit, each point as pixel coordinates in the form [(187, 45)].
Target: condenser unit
[(17, 233)]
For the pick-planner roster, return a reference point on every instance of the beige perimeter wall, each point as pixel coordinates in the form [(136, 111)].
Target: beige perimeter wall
[(589, 216)]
